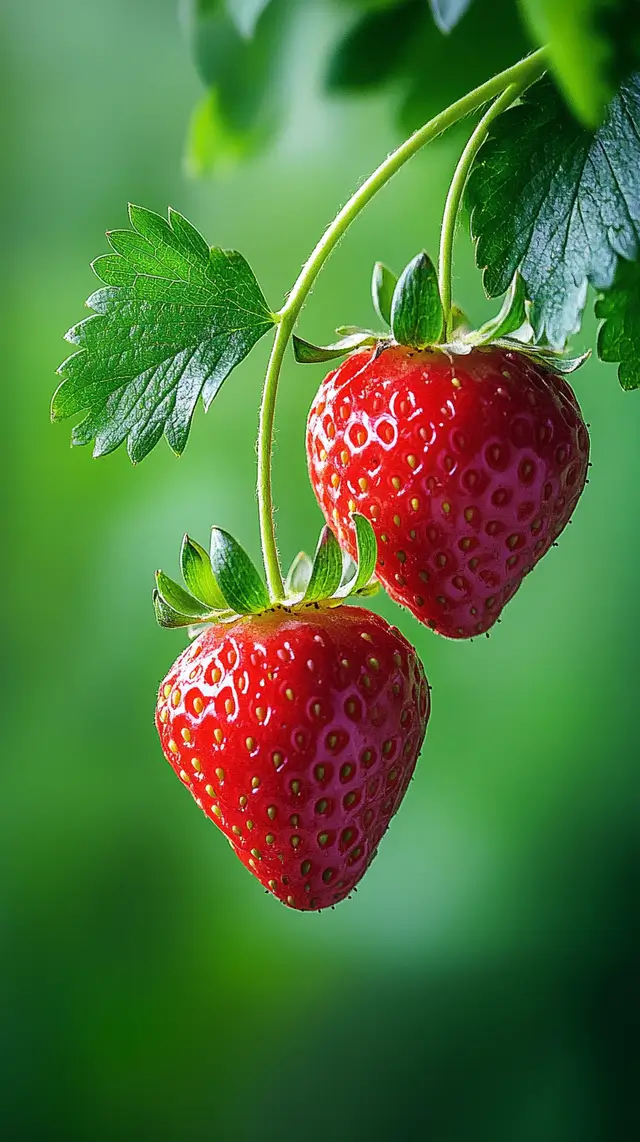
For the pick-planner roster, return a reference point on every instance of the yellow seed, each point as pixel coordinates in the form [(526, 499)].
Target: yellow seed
[(173, 747), (289, 694), (196, 764), (456, 383), (218, 735), (216, 675), (366, 757), (446, 507), (269, 838), (468, 514), (252, 864), (256, 853), (175, 697), (186, 735), (323, 454), (294, 820), (316, 709), (243, 802), (210, 790), (415, 503), (290, 901), (273, 884), (277, 760), (335, 515), (322, 839), (412, 461), (237, 830), (217, 811), (261, 713), (349, 799), (346, 772), (164, 715), (166, 690), (352, 505), (184, 776), (295, 787), (249, 824), (295, 841), (228, 706), (319, 771), (363, 483), (271, 812), (198, 705), (305, 867), (220, 774), (396, 520), (335, 480), (255, 782), (250, 743), (332, 741), (397, 482), (366, 636)]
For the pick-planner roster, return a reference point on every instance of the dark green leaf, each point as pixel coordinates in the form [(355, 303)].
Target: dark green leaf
[(178, 599), (511, 317), (383, 283), (376, 48), (298, 575), (557, 202), (173, 321), (593, 44), (447, 13), (619, 335), (236, 576), (241, 74), (417, 318), (198, 576), (327, 568), (307, 354)]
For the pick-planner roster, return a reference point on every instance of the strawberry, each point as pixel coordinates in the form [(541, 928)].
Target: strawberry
[(468, 467), (297, 732)]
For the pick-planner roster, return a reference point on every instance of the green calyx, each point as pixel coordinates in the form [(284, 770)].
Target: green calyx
[(411, 306), (224, 585)]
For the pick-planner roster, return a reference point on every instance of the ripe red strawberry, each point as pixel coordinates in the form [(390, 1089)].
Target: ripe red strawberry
[(468, 467), (297, 732)]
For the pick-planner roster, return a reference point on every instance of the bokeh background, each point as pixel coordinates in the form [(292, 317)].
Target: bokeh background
[(483, 984)]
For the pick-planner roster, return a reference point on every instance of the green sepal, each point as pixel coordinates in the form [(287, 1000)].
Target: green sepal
[(242, 587), (383, 284), (367, 555), (298, 575), (543, 355), (512, 316), (417, 316), (327, 568), (179, 600), (306, 353), (166, 616), (198, 576)]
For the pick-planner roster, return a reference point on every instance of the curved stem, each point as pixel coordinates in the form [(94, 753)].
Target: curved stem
[(519, 76), (456, 190)]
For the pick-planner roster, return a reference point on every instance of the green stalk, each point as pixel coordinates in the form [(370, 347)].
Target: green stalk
[(458, 183), (517, 77)]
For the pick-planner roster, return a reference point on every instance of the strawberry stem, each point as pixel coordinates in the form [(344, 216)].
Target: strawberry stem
[(514, 80), (461, 174)]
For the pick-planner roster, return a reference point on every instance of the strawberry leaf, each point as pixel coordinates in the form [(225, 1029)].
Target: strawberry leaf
[(236, 576), (298, 575), (383, 283), (447, 13), (180, 601), (619, 335), (173, 321), (417, 318), (327, 568), (512, 316), (558, 202), (367, 555)]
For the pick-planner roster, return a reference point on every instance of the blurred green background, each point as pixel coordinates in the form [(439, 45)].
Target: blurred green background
[(483, 984)]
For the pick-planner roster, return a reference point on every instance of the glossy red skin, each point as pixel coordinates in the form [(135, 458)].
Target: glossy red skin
[(313, 688), (468, 467)]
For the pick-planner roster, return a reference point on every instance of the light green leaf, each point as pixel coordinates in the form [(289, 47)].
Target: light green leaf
[(236, 575), (166, 616), (198, 576), (367, 556), (178, 599), (327, 568), (619, 335), (592, 44), (512, 316), (172, 322), (417, 318), (306, 353), (298, 575), (383, 283)]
